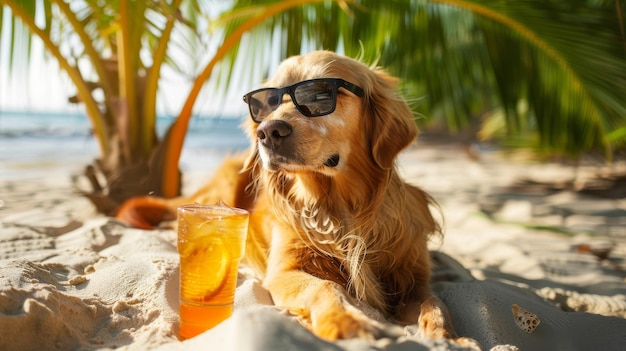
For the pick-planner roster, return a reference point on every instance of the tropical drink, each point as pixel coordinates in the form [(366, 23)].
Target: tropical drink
[(211, 242)]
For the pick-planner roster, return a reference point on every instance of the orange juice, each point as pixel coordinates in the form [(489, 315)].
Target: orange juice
[(211, 242)]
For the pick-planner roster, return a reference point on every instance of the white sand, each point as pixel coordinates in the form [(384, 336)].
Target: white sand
[(72, 279)]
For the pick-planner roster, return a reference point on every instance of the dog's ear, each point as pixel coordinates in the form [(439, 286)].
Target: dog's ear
[(392, 124)]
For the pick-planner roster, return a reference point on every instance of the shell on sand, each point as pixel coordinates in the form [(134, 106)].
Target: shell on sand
[(524, 319)]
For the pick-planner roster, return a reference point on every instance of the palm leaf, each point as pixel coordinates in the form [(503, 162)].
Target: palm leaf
[(564, 87), (563, 61)]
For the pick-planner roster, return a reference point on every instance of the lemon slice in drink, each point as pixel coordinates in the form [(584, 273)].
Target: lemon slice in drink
[(209, 265)]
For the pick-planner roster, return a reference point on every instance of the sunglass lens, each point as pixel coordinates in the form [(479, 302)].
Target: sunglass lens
[(315, 98), (264, 102), (256, 106)]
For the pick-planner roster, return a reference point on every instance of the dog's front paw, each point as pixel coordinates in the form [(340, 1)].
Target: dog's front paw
[(435, 323), (349, 323)]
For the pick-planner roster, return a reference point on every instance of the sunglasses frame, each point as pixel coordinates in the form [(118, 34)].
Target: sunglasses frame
[(335, 84)]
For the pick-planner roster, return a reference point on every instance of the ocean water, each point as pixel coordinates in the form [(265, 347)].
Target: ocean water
[(35, 143)]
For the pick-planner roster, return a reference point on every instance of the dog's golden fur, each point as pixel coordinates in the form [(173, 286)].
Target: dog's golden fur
[(326, 237)]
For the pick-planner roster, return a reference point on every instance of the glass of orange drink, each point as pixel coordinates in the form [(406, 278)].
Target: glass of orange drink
[(211, 242)]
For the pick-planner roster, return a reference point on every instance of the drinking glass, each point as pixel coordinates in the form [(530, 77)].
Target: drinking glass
[(211, 242)]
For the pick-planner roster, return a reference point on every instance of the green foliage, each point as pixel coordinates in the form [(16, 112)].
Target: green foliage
[(554, 69)]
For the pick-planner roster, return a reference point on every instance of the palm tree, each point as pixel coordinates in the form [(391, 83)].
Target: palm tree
[(546, 73), (124, 44)]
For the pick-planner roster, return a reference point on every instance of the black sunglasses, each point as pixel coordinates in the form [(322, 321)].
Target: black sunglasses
[(313, 98)]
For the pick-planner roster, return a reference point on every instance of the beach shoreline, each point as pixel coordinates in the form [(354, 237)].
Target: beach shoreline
[(71, 278)]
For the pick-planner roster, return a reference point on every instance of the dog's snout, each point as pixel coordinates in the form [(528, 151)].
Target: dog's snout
[(272, 132)]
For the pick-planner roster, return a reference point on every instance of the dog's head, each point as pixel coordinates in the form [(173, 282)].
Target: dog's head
[(369, 126)]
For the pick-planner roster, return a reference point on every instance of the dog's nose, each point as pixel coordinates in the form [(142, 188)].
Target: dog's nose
[(272, 132)]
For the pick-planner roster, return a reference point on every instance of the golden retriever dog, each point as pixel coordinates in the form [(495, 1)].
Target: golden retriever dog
[(332, 225)]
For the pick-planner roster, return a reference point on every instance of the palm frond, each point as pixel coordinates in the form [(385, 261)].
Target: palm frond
[(564, 61), (304, 26), (577, 72)]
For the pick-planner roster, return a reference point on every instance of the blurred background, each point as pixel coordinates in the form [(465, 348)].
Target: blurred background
[(132, 82)]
